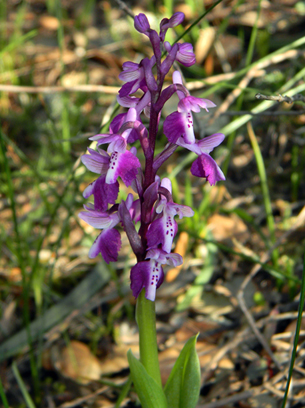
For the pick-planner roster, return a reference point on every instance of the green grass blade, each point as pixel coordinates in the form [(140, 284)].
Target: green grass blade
[(265, 189), (18, 41), (197, 21), (27, 398), (124, 392), (3, 396), (296, 337), (253, 36)]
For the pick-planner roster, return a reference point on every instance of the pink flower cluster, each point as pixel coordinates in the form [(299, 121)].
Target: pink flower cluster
[(154, 208)]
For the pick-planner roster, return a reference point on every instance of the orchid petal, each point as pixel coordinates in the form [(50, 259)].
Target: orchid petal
[(205, 166), (179, 125), (108, 244), (97, 162), (207, 144), (99, 220), (148, 275), (103, 193)]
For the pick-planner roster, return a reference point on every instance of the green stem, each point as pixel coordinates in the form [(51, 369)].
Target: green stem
[(146, 320)]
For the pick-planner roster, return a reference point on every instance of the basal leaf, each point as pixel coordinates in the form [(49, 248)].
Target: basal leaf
[(183, 385), (149, 392)]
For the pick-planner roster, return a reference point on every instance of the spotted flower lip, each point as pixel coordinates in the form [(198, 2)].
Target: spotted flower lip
[(124, 165), (162, 230), (179, 124), (149, 274)]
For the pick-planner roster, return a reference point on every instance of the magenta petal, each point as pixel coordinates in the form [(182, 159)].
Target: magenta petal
[(163, 257), (179, 124), (137, 276), (173, 127), (207, 144), (103, 193), (117, 122), (96, 162), (185, 55), (205, 166), (129, 88), (108, 244), (176, 19), (141, 23), (148, 275), (99, 219), (119, 144), (131, 72), (162, 231), (124, 165), (191, 103)]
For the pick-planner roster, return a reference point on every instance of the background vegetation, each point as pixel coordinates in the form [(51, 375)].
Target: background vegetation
[(66, 322)]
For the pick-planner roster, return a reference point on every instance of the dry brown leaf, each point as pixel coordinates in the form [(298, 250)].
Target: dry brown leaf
[(49, 22), (117, 360), (74, 361), (224, 227), (191, 327), (180, 249), (204, 43)]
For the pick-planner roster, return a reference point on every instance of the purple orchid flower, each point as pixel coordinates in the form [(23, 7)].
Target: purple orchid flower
[(164, 228), (205, 165), (185, 54), (108, 242), (154, 209), (180, 123), (175, 20), (134, 76), (149, 274), (122, 162)]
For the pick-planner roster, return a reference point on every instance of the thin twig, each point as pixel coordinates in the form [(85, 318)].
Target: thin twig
[(257, 70), (125, 8), (80, 400), (281, 98)]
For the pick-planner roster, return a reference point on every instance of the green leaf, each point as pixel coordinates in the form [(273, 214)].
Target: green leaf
[(149, 392), (183, 385)]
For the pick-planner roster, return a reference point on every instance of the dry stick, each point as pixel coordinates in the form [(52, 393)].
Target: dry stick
[(215, 79), (240, 295), (252, 73), (268, 385), (125, 8), (80, 400), (266, 113), (281, 98), (113, 90), (243, 335)]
